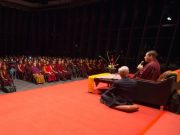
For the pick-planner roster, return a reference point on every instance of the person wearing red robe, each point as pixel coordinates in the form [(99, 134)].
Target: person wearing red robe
[(48, 72), (21, 70), (65, 71), (5, 76), (151, 71), (60, 71)]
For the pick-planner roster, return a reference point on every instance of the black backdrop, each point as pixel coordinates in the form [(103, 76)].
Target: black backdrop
[(126, 27)]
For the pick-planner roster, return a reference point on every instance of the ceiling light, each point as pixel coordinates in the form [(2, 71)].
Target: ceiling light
[(169, 18)]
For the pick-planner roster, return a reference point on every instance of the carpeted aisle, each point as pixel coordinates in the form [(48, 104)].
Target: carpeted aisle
[(68, 109)]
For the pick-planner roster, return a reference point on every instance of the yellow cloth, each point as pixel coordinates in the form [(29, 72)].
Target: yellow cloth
[(91, 81), (39, 78)]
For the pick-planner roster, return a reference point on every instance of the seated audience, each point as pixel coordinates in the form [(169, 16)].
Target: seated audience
[(60, 68)]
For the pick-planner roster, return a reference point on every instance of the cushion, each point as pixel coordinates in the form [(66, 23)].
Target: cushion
[(127, 108)]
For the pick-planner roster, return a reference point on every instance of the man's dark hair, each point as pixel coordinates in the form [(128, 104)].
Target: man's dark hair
[(152, 53)]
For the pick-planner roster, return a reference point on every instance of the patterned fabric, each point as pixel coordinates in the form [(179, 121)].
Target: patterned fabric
[(177, 72), (39, 78), (168, 73), (164, 75)]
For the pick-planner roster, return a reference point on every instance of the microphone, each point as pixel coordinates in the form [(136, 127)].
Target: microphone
[(138, 71), (142, 62)]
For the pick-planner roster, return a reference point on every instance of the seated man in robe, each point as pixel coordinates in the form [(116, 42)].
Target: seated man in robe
[(66, 73), (48, 72), (38, 76), (21, 70), (60, 71), (151, 71), (118, 96), (5, 77)]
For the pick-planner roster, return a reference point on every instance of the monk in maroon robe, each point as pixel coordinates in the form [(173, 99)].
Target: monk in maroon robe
[(21, 70), (5, 76), (151, 71)]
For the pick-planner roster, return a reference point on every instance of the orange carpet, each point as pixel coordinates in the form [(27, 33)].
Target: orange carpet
[(168, 124), (67, 109)]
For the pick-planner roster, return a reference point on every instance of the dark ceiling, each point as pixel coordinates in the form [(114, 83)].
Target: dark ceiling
[(44, 4)]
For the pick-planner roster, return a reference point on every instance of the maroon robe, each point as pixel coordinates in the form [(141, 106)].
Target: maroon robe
[(21, 71), (150, 71), (5, 78)]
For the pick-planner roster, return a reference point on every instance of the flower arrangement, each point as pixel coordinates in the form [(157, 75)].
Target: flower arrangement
[(111, 62)]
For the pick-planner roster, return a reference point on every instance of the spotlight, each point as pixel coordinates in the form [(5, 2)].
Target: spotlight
[(169, 18)]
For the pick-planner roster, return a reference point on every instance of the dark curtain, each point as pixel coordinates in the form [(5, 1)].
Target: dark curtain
[(125, 27)]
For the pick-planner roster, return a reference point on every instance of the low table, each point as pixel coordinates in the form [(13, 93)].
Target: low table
[(94, 80), (91, 81)]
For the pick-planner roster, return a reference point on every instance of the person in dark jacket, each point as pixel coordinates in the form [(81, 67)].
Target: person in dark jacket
[(119, 95)]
